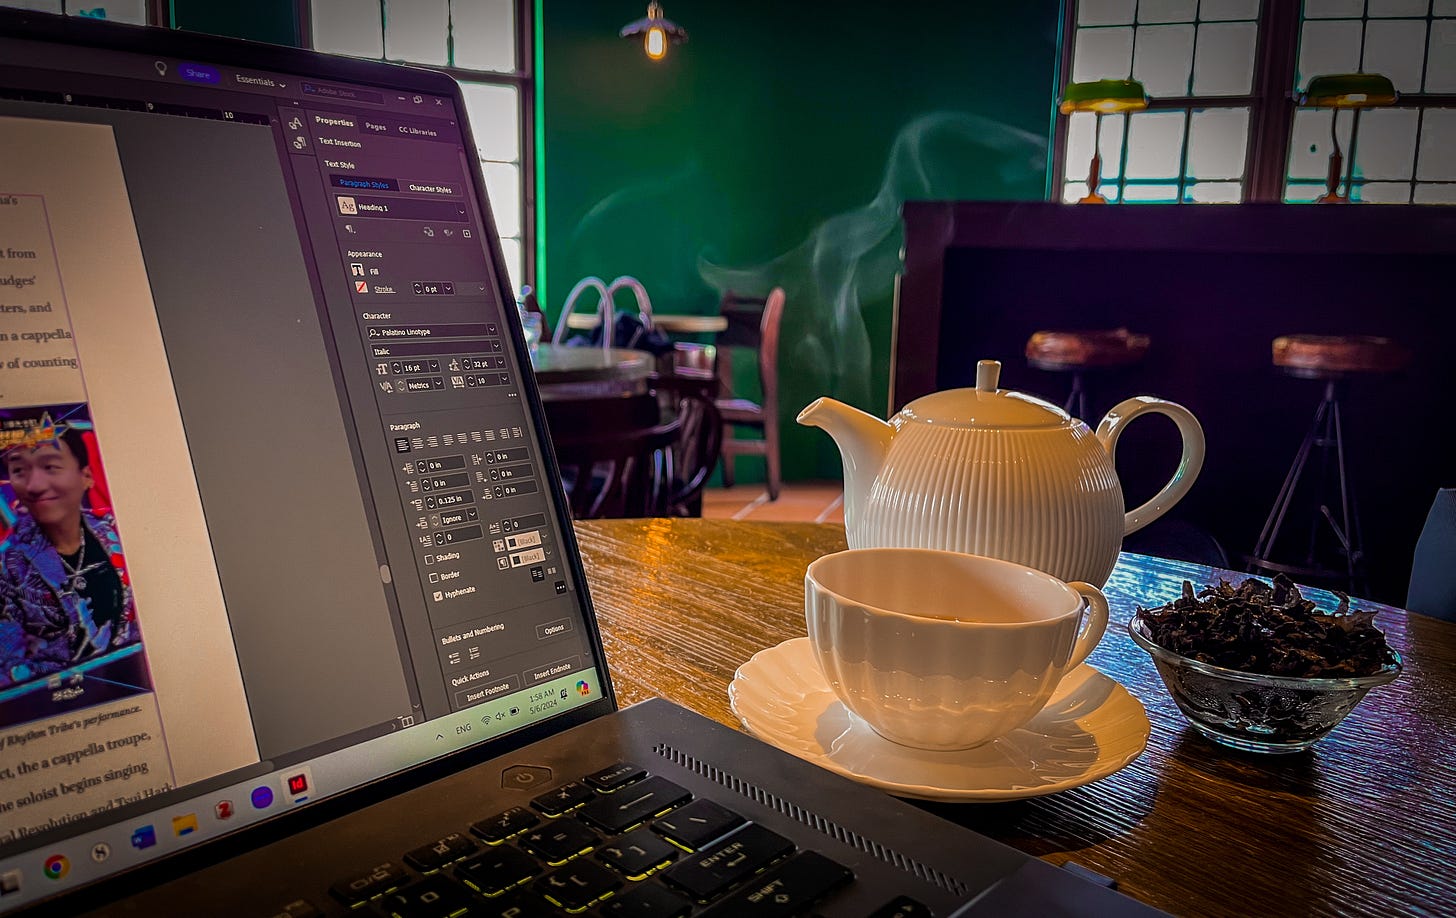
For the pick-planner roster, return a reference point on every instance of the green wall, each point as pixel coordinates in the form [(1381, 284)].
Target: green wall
[(273, 21), (774, 148)]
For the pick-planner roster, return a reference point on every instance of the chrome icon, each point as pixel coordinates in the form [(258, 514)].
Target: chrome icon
[(56, 866)]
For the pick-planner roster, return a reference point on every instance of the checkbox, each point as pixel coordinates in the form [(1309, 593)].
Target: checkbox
[(429, 559), (439, 596), (434, 578)]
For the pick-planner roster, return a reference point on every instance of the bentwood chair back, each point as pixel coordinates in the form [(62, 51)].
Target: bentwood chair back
[(752, 323), (612, 454)]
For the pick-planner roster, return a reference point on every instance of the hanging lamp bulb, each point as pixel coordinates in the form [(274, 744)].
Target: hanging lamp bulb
[(657, 32)]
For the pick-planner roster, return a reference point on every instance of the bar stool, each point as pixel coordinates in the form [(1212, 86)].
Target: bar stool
[(1334, 360), (1081, 352)]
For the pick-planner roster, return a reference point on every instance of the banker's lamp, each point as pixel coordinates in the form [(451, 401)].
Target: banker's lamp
[(1345, 90), (657, 32), (1101, 97)]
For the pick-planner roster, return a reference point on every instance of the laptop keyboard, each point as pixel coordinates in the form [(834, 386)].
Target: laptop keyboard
[(618, 842)]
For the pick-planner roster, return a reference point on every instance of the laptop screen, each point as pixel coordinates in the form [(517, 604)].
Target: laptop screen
[(277, 519)]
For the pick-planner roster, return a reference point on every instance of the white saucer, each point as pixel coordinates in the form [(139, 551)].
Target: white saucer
[(1091, 728)]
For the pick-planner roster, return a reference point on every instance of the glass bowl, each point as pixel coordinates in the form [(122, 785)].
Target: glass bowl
[(1253, 712)]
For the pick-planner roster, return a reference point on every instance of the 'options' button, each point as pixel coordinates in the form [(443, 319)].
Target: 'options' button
[(551, 629)]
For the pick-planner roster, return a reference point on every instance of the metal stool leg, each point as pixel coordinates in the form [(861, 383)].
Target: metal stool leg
[(1076, 404), (1267, 536)]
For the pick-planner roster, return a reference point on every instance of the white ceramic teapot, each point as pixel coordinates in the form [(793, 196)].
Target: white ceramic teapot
[(993, 472)]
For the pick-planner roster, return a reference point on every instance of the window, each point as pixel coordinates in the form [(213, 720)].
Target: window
[(132, 11), (1404, 154), (1221, 125), (485, 45)]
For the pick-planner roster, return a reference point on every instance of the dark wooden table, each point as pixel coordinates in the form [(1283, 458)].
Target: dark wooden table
[(1362, 824)]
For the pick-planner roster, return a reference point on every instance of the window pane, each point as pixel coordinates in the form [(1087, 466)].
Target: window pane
[(494, 120), (1309, 143), (132, 11), (414, 30), (1396, 48), (1441, 64), (1164, 56), (1382, 193), (1105, 12), (1323, 9), (348, 27), (1225, 64), (1101, 54), (1398, 7), (1444, 8), (1386, 145), (1217, 139), (1079, 145), (40, 6), (503, 187), (1166, 11), (1328, 47), (484, 33), (1155, 145), (511, 251), (1150, 194), (1113, 127), (1435, 194), (1302, 194), (1438, 145), (1214, 193), (1215, 10)]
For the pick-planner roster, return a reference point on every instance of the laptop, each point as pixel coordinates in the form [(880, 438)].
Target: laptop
[(292, 619)]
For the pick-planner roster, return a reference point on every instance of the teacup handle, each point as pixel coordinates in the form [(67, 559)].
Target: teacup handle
[(1094, 623), (1189, 465)]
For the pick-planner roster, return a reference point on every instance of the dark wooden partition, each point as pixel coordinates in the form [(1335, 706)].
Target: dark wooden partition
[(1212, 285)]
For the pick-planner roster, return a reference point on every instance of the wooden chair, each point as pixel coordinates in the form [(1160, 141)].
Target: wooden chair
[(612, 454), (752, 323)]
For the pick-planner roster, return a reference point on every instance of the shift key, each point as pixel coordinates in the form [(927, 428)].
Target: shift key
[(728, 862)]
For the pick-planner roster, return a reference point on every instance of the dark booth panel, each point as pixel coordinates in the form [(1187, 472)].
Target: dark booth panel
[(1212, 286)]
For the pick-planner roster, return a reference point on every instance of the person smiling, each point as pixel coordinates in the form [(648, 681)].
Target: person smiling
[(64, 593)]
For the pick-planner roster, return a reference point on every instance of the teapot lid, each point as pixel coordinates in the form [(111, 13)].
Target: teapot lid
[(985, 406)]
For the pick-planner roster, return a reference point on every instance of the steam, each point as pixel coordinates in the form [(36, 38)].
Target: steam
[(853, 257)]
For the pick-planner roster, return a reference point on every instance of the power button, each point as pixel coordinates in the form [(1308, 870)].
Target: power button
[(525, 777)]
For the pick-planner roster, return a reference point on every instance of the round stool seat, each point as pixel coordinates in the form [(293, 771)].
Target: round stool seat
[(1336, 356), (1085, 350)]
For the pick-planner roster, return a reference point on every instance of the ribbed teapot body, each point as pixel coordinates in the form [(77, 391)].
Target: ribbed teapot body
[(1048, 497)]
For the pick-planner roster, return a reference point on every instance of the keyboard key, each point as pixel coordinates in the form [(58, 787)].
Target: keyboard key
[(578, 885), (728, 862), (636, 854), (614, 776), (435, 897), (496, 870), (902, 907), (698, 823), (523, 903), (630, 805), (647, 901), (564, 798), (559, 841), (370, 884), (448, 850), (502, 826), (785, 890)]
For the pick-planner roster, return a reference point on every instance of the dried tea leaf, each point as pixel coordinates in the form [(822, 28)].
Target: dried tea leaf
[(1269, 629)]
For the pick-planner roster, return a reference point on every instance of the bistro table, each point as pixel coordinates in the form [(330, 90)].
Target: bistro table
[(1362, 824), (671, 323), (590, 372)]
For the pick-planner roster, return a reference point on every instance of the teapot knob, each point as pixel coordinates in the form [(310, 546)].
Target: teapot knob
[(988, 375)]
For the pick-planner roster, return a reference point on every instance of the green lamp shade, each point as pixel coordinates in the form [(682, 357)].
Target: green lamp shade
[(1105, 96), (1348, 90)]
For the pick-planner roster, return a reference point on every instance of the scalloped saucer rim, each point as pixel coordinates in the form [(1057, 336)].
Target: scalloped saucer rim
[(1091, 728)]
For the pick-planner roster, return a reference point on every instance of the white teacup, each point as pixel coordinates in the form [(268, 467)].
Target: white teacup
[(943, 650)]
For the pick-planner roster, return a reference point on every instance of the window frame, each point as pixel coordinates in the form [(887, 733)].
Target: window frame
[(1270, 104), (523, 79)]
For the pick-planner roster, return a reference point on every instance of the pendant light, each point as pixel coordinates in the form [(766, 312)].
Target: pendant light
[(657, 32), (1345, 90)]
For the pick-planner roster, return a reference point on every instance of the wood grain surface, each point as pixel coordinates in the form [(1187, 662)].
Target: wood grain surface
[(1362, 824)]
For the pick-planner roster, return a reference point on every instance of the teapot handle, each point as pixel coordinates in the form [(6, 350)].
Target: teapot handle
[(1189, 465)]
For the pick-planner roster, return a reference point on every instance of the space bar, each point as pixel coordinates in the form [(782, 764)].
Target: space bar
[(786, 890)]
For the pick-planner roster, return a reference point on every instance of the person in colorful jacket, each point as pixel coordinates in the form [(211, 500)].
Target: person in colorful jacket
[(64, 593)]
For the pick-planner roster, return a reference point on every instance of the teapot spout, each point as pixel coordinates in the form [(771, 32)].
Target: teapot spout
[(863, 441)]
